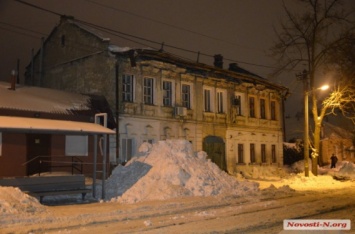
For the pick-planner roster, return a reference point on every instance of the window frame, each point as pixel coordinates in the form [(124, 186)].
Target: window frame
[(263, 153), (148, 91), (273, 154), (167, 93), (262, 108), (125, 149), (273, 110), (240, 153), (221, 99), (252, 153), (207, 100), (252, 107), (186, 95), (127, 88), (77, 145)]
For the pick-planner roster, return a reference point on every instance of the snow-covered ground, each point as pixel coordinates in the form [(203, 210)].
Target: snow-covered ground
[(169, 188)]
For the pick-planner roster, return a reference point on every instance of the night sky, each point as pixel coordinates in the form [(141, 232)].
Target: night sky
[(242, 31)]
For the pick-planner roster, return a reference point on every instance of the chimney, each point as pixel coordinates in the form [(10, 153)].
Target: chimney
[(218, 61), (13, 80), (65, 18), (233, 67)]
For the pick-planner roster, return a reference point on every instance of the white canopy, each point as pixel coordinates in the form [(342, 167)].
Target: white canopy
[(36, 125)]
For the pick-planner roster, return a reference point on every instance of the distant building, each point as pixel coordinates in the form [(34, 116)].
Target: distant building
[(338, 141), (232, 114)]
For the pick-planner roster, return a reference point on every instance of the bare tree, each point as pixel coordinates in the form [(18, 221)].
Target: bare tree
[(312, 37), (341, 63)]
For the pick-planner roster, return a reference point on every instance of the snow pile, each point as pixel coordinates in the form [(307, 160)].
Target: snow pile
[(293, 146), (347, 168), (273, 191), (14, 201), (263, 173), (343, 169), (170, 169)]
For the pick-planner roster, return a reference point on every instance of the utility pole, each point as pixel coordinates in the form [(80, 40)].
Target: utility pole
[(303, 76)]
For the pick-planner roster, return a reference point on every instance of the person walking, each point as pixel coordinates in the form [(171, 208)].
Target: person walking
[(333, 160)]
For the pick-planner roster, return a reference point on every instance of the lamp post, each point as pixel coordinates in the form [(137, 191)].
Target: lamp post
[(305, 136), (306, 127)]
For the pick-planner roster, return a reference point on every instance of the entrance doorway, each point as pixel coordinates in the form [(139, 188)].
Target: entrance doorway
[(215, 148), (38, 145)]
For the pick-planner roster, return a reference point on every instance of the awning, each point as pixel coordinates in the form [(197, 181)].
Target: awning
[(35, 125)]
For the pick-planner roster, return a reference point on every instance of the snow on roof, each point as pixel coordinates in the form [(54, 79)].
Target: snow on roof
[(41, 99), (118, 49), (22, 124), (332, 131)]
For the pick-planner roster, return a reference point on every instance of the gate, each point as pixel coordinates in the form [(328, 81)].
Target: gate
[(215, 148)]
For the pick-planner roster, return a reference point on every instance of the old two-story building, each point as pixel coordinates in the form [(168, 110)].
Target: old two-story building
[(232, 114)]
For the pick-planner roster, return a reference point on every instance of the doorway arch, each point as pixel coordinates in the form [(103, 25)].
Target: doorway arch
[(214, 146)]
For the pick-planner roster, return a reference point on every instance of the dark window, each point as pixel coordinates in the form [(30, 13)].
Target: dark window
[(262, 109), (240, 153), (238, 104), (252, 107), (263, 153), (220, 102), (273, 110), (167, 93), (127, 149), (185, 92), (273, 153), (252, 153), (148, 91), (207, 100), (127, 88)]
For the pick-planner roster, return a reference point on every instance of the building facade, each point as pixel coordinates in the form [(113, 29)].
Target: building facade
[(232, 114)]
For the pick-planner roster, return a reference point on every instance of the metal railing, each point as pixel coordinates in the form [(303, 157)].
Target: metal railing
[(48, 163)]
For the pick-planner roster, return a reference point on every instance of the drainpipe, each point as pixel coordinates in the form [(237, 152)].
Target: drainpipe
[(32, 67), (41, 63), (117, 111), (283, 117)]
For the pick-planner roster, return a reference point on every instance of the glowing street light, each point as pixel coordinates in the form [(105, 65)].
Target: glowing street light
[(306, 127)]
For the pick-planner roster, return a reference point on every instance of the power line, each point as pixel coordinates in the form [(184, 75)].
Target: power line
[(22, 28), (39, 8), (164, 23), (20, 33), (111, 31)]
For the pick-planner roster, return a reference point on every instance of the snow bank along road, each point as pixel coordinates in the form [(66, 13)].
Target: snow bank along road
[(262, 213)]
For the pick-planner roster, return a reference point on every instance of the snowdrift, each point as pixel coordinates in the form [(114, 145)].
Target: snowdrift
[(14, 202), (170, 169)]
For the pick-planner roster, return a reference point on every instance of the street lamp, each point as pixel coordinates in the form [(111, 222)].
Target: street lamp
[(306, 127)]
